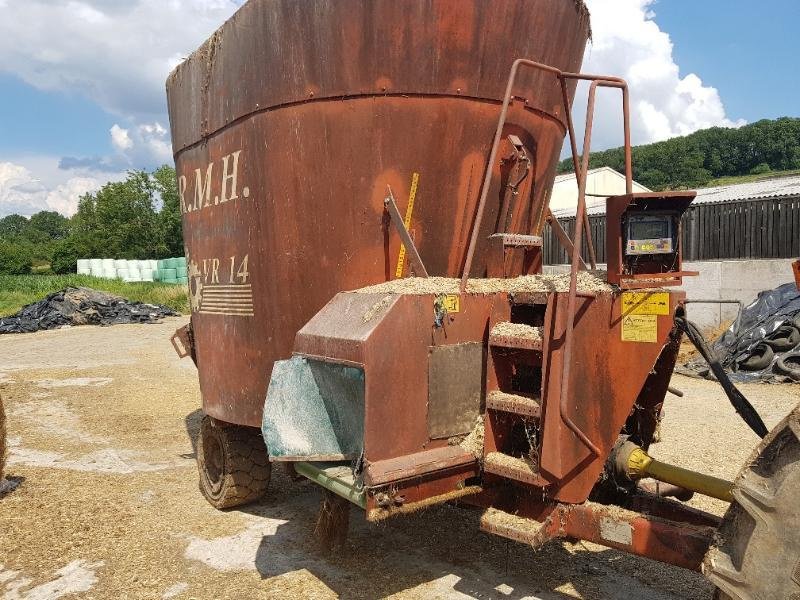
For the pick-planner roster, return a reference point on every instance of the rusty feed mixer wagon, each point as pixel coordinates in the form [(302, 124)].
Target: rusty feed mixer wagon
[(364, 186)]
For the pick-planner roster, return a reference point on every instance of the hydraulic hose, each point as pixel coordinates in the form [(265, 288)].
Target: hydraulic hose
[(739, 402)]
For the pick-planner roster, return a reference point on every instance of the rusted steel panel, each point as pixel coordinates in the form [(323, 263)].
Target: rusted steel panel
[(796, 268), (391, 336), (605, 382), (283, 191), (293, 242), (273, 53), (415, 465), (676, 543)]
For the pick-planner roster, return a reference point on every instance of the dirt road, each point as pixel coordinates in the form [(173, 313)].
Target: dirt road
[(101, 422)]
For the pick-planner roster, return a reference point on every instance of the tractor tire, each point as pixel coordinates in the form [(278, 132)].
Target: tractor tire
[(789, 364), (784, 338), (233, 463), (760, 358), (757, 553)]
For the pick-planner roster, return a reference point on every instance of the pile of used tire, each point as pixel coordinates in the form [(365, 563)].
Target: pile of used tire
[(766, 344), (81, 306)]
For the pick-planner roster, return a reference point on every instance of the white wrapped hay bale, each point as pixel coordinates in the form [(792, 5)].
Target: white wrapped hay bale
[(84, 266)]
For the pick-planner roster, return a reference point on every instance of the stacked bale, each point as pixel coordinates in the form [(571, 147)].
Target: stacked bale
[(96, 267), (181, 270), (168, 270)]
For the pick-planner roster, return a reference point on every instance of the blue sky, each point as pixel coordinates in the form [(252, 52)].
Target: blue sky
[(748, 51), (50, 122), (82, 81)]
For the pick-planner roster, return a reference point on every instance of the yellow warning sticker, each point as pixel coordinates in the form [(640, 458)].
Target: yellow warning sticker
[(640, 328), (645, 303), (451, 303)]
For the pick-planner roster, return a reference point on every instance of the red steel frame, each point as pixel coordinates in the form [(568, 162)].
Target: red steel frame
[(582, 219), (672, 533)]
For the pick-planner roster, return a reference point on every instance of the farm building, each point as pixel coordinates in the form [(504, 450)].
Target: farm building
[(740, 238), (600, 183), (754, 220)]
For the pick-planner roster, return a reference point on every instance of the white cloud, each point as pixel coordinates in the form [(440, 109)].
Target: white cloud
[(629, 43), (136, 148), (19, 192), (30, 185), (64, 198), (120, 138), (116, 54)]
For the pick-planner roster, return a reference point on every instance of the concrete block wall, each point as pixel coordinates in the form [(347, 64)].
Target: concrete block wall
[(730, 280), (723, 280)]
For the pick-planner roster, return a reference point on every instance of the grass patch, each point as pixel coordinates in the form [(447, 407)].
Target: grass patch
[(18, 290), (750, 178)]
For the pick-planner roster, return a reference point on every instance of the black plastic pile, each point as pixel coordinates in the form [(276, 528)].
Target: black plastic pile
[(766, 345), (81, 306)]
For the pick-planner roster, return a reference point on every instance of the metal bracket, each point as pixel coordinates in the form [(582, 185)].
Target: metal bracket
[(186, 346), (397, 219)]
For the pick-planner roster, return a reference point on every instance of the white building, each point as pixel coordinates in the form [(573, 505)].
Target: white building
[(601, 183)]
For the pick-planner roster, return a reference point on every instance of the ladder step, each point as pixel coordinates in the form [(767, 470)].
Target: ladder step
[(516, 335), (529, 298), (512, 403), (511, 467), (520, 241), (513, 527)]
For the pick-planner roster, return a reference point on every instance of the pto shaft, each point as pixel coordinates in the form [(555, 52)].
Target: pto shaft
[(636, 464)]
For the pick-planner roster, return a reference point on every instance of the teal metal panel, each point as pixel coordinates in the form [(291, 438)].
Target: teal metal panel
[(314, 411)]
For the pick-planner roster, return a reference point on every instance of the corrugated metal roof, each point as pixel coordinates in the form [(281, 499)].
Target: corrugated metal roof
[(764, 188)]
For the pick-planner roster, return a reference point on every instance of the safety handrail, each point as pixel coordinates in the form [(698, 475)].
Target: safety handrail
[(582, 220)]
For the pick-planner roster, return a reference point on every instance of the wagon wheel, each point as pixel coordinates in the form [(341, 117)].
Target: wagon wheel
[(233, 463), (758, 550)]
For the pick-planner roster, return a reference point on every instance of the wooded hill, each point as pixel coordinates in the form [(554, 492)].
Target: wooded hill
[(694, 160)]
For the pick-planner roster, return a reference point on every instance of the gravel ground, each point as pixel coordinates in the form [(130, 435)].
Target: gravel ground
[(100, 428)]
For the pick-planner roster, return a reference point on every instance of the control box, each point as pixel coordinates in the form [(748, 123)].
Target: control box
[(643, 239), (650, 234)]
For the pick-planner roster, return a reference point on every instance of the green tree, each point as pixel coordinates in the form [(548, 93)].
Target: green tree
[(692, 160), (66, 254), (54, 225), (12, 226), (120, 220), (15, 258), (170, 214)]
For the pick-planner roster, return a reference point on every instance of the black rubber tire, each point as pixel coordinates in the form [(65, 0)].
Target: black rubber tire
[(760, 358), (757, 554), (789, 364), (233, 463), (785, 337)]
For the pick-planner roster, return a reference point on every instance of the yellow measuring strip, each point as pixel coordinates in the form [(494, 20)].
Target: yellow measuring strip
[(401, 258)]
